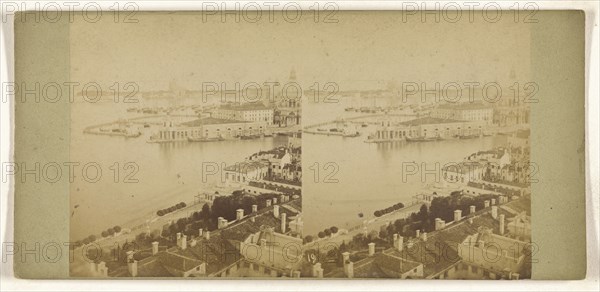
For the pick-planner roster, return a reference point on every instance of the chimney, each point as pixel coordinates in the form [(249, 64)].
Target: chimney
[(495, 212), (400, 244), (350, 270), (345, 258), (274, 201), (501, 224), (184, 242), (283, 223), (254, 208), (178, 238), (424, 236), (296, 274), (418, 235), (132, 268), (207, 235), (268, 203), (154, 247), (193, 242), (438, 224), (493, 201), (253, 218), (471, 220), (276, 211), (129, 255), (471, 209), (486, 203), (200, 232), (371, 249), (282, 199), (457, 215), (103, 269), (239, 214), (315, 269)]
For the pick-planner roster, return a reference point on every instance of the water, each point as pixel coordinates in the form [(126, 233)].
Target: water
[(369, 175), (168, 173)]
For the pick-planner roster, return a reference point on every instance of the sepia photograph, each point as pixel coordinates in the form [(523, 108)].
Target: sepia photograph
[(303, 142)]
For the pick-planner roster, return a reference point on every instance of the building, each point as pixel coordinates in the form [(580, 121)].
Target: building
[(476, 111), (249, 112), (427, 127), (208, 128), (242, 172), (480, 245)]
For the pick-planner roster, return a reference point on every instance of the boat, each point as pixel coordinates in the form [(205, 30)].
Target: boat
[(423, 139), (199, 139), (249, 137), (471, 136), (364, 125), (349, 109)]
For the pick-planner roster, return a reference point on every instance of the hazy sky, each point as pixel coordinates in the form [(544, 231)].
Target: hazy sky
[(361, 48)]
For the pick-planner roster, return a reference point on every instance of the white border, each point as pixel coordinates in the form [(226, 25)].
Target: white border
[(592, 282)]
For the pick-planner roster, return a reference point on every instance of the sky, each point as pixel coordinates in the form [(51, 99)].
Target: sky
[(362, 48)]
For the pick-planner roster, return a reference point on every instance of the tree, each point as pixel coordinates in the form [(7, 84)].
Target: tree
[(92, 238), (104, 233), (333, 229), (308, 238), (321, 234), (160, 213), (110, 231), (327, 232), (117, 229)]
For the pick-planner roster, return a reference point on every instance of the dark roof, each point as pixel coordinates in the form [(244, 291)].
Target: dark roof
[(180, 260)]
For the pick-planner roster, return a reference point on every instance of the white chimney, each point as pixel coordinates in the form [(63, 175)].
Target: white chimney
[(486, 203), (268, 203), (282, 199), (371, 249), (276, 211), (418, 235), (132, 267), (283, 223), (501, 224), (154, 247), (493, 201), (457, 215), (254, 208), (350, 270), (274, 201), (184, 242), (239, 214), (178, 238), (200, 232), (424, 236), (207, 235), (494, 212), (471, 209), (400, 243)]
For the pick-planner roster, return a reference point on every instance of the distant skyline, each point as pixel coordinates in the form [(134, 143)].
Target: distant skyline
[(359, 51)]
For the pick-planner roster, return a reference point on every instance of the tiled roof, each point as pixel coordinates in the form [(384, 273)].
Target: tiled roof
[(178, 260)]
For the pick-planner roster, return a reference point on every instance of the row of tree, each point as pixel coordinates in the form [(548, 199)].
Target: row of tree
[(387, 210), (105, 233), (171, 209), (322, 234)]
